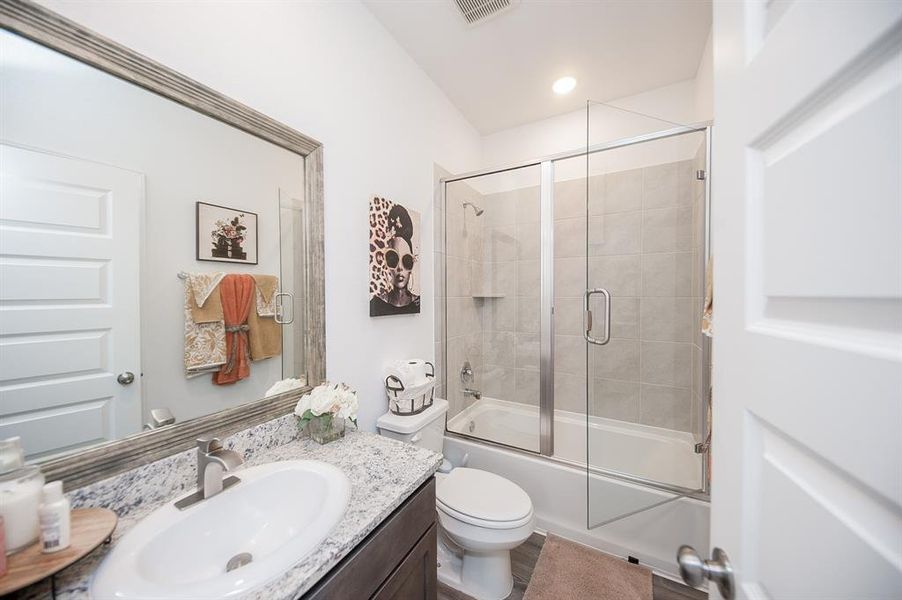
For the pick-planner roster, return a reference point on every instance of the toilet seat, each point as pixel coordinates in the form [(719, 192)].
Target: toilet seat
[(483, 499)]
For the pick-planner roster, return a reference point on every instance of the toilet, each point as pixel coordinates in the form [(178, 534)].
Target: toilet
[(482, 516)]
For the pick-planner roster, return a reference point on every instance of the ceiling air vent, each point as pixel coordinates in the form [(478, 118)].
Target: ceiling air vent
[(477, 11)]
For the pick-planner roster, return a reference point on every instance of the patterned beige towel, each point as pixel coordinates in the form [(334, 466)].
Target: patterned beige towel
[(205, 348), (267, 286)]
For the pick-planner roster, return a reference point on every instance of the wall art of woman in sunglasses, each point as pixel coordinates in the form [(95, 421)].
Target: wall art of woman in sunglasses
[(393, 259)]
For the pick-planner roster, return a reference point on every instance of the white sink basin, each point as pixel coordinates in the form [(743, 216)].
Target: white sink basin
[(278, 513)]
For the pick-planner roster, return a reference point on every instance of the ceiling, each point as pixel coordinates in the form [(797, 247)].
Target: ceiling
[(499, 72)]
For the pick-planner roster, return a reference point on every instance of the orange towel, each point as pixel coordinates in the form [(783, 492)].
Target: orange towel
[(238, 296)]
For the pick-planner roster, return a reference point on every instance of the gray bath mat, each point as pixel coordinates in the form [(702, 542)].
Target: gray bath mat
[(576, 572)]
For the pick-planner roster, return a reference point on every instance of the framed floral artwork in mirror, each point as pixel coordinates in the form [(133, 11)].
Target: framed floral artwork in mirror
[(226, 234)]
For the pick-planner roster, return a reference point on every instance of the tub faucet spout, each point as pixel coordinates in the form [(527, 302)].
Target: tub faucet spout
[(475, 393)]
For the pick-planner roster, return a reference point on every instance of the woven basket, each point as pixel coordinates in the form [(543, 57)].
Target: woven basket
[(410, 400)]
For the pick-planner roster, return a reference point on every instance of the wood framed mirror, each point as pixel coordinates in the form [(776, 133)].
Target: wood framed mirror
[(44, 387)]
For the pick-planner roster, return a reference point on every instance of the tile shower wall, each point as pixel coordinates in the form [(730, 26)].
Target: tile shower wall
[(571, 372), (458, 314), (510, 284), (490, 294), (644, 248), (646, 243)]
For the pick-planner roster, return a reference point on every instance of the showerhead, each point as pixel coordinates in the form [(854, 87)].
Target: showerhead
[(475, 208)]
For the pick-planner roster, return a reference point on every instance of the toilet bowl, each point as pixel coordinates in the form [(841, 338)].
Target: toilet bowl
[(485, 516), (482, 516)]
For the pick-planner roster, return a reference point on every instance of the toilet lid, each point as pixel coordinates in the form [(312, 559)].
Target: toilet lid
[(483, 495)]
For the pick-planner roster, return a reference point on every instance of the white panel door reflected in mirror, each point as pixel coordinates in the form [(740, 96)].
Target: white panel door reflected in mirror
[(101, 179)]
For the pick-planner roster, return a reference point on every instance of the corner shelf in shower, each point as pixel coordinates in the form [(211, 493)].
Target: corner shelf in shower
[(484, 296)]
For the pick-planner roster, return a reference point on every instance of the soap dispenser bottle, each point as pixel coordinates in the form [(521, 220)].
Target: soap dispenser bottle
[(55, 519)]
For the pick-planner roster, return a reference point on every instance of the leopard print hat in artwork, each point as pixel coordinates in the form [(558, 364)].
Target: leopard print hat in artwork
[(382, 230)]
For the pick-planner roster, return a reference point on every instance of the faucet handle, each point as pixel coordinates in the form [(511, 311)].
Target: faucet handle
[(208, 443)]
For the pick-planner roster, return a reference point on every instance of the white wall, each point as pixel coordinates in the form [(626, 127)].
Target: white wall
[(668, 106), (55, 104), (329, 70), (704, 84), (684, 103), (674, 103)]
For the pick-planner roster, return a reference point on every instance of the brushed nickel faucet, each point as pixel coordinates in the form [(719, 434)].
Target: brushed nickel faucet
[(212, 462)]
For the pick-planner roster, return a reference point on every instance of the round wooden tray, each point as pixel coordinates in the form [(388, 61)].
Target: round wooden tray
[(90, 528)]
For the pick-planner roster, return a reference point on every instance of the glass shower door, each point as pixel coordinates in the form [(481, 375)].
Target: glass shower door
[(645, 246), (493, 332)]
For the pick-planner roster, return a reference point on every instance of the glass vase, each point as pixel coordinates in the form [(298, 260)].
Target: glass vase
[(325, 428)]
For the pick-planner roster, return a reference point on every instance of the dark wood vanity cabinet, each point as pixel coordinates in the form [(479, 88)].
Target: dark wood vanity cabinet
[(415, 577), (397, 561)]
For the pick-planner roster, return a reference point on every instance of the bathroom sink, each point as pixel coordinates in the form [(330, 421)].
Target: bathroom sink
[(229, 544)]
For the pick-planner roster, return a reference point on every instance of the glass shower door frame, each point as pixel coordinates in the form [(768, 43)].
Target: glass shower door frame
[(546, 400), (546, 311), (703, 446), (546, 301)]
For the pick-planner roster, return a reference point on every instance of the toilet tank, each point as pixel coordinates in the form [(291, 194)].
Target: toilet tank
[(426, 429)]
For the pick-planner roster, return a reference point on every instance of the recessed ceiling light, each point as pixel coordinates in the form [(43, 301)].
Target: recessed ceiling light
[(564, 85)]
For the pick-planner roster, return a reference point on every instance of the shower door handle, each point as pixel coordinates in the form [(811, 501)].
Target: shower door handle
[(587, 321), (279, 317)]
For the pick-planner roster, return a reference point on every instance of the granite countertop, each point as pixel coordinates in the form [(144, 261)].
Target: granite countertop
[(382, 472)]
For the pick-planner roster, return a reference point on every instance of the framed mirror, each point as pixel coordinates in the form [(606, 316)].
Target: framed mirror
[(161, 254)]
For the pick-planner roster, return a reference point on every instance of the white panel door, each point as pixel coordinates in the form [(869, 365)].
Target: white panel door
[(69, 289), (807, 238)]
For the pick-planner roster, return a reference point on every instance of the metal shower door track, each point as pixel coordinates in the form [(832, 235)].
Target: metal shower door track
[(622, 143)]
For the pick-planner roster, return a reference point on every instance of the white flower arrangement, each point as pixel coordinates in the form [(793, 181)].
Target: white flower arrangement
[(327, 400)]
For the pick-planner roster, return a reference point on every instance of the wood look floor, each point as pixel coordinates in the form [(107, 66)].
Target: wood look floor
[(523, 561)]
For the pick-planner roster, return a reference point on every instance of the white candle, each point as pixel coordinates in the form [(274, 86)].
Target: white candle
[(19, 501)]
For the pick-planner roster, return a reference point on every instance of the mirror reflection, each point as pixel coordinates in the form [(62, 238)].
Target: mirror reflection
[(151, 257)]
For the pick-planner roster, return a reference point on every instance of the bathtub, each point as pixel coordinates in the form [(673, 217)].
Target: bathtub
[(558, 485)]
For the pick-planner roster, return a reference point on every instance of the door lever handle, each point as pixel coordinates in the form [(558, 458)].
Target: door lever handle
[(718, 570)]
